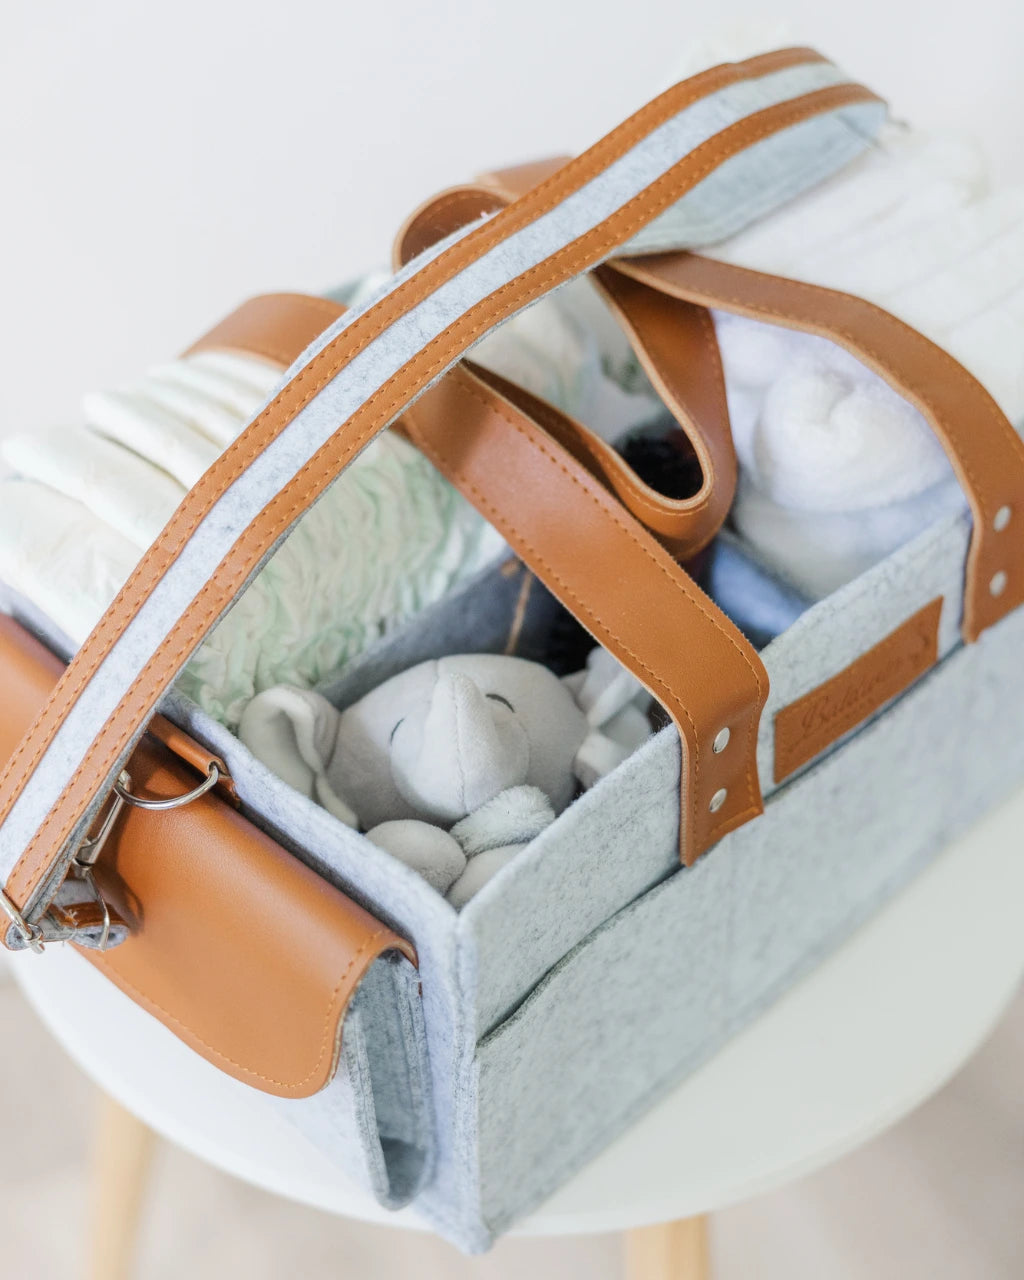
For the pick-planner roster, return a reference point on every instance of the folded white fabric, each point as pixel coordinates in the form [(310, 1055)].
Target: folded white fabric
[(836, 470), (390, 537)]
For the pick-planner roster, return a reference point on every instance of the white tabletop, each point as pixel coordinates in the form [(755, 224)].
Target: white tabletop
[(868, 1036)]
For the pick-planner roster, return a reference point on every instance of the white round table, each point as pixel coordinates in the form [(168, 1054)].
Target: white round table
[(863, 1040)]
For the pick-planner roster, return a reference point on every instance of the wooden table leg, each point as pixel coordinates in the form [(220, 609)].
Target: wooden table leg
[(669, 1251), (121, 1159)]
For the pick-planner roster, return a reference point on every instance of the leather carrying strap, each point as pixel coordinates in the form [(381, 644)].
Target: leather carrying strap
[(673, 339), (985, 451), (615, 578), (237, 947), (45, 810)]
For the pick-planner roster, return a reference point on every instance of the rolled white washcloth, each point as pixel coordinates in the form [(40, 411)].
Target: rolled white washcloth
[(836, 470)]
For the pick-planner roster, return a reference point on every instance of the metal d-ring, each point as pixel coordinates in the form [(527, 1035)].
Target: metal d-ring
[(123, 791)]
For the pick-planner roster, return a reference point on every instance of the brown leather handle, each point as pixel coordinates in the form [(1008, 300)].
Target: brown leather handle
[(985, 451), (617, 580), (673, 339), (676, 344)]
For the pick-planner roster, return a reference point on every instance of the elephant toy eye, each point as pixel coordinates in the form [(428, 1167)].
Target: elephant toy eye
[(496, 697), (395, 729)]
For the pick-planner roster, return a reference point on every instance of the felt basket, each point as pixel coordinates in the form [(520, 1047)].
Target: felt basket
[(794, 791)]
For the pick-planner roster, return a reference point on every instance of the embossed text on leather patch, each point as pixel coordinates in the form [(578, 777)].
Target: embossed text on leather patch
[(812, 723)]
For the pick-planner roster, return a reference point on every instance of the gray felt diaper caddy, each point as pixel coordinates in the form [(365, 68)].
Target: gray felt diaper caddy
[(804, 779)]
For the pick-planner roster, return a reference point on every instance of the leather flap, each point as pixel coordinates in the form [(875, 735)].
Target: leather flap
[(241, 950)]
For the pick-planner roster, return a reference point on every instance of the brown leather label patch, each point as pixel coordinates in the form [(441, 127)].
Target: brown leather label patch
[(812, 723)]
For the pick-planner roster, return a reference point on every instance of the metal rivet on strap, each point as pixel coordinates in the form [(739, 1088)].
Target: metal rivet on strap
[(998, 584), (718, 799), (1002, 519), (721, 741)]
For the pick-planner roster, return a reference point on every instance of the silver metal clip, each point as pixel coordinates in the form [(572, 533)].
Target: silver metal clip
[(83, 871), (92, 846)]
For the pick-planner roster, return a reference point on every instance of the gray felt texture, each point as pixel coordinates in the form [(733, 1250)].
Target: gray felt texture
[(374, 1117), (667, 980), (617, 843)]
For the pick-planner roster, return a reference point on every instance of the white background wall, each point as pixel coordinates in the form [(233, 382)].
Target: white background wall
[(161, 162)]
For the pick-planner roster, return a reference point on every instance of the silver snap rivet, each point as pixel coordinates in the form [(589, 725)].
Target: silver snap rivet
[(1002, 519), (998, 584), (717, 800), (721, 741)]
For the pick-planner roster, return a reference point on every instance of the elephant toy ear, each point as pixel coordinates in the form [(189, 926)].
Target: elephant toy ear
[(616, 705), (293, 732)]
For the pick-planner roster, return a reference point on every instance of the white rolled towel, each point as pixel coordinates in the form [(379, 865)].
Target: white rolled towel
[(836, 470)]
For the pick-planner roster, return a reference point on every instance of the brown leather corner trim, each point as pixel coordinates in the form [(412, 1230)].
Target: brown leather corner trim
[(985, 451), (237, 947), (44, 851), (820, 718), (277, 327)]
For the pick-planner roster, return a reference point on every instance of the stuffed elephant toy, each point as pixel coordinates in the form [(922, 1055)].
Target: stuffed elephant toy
[(456, 764)]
